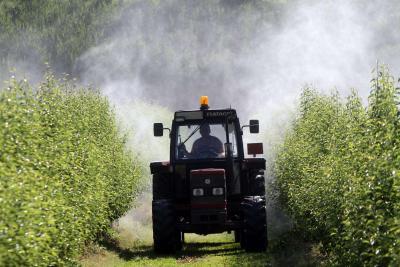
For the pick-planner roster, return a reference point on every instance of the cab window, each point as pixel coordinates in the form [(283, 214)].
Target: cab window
[(204, 140)]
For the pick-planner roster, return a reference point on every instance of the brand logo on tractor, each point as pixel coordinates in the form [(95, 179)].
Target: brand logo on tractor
[(207, 181), (219, 113)]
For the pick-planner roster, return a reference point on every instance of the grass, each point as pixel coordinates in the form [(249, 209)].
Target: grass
[(133, 246), (211, 250)]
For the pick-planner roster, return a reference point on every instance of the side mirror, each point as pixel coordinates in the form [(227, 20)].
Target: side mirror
[(254, 126), (158, 129)]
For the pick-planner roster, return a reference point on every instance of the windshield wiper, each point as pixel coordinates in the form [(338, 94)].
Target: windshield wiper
[(195, 130)]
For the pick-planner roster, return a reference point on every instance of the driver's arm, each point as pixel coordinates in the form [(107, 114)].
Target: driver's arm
[(195, 147), (220, 148)]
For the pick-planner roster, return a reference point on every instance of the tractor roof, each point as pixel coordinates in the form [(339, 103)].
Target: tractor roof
[(204, 114)]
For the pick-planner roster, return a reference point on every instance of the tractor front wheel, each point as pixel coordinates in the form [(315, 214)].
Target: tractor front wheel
[(167, 238), (237, 234)]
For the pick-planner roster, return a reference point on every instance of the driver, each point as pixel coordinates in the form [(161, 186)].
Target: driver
[(206, 144)]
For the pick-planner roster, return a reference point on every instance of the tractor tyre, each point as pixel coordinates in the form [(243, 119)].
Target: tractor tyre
[(237, 235), (242, 240), (162, 186), (166, 236), (254, 236)]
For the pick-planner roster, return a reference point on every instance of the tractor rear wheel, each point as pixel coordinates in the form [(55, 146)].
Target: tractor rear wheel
[(167, 238), (254, 236)]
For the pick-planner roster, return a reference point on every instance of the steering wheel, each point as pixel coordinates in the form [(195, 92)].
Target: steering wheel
[(206, 153)]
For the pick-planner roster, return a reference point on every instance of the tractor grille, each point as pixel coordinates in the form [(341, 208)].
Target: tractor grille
[(208, 207)]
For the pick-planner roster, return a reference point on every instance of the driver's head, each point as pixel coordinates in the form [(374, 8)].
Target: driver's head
[(205, 130)]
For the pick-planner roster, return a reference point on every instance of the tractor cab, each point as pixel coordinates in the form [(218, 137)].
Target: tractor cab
[(208, 186), (206, 134)]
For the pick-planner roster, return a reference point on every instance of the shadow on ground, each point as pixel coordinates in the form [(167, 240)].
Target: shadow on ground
[(189, 250), (289, 250)]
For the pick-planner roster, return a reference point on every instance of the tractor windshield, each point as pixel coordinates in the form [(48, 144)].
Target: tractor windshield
[(204, 140)]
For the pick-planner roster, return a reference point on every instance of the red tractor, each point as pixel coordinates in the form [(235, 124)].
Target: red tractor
[(208, 186)]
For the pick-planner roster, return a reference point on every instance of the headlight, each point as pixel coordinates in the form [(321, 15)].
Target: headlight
[(197, 192), (218, 191)]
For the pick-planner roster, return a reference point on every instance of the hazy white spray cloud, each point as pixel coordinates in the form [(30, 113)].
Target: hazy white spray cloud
[(325, 44), (173, 57), (173, 52), (255, 56)]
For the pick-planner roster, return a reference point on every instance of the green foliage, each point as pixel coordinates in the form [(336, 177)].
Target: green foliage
[(54, 31), (59, 32), (64, 172), (338, 172)]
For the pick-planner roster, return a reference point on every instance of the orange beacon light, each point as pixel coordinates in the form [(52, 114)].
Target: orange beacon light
[(204, 102)]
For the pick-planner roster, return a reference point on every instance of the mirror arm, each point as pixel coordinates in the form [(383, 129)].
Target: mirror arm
[(169, 130), (249, 126)]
